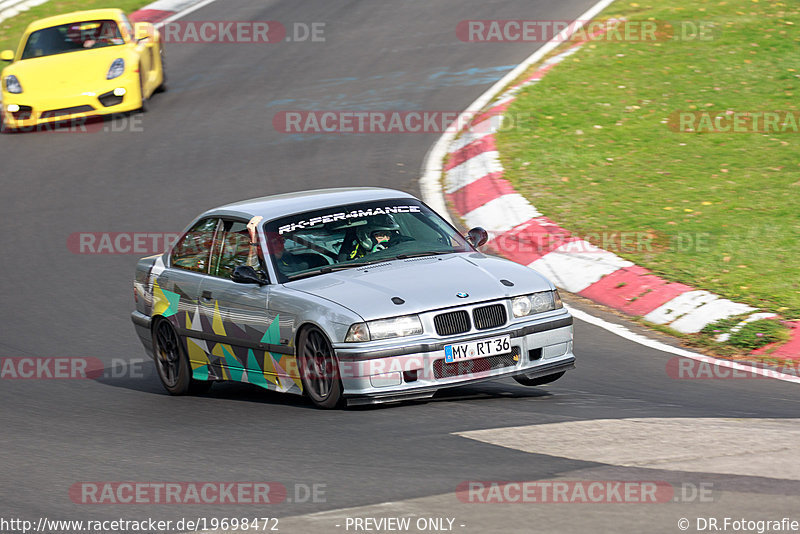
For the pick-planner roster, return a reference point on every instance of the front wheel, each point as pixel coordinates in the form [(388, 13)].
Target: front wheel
[(319, 370), (539, 380), (172, 364), (142, 92)]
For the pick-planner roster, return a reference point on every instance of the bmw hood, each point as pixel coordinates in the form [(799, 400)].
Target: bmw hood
[(423, 284)]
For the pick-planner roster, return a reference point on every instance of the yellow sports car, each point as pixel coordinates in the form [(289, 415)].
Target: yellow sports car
[(79, 65)]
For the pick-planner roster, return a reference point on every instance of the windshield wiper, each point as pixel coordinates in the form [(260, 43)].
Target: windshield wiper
[(325, 269), (322, 270), (421, 254)]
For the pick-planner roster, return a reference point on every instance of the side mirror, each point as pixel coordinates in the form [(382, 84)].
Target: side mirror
[(477, 237), (143, 31), (7, 55), (244, 274)]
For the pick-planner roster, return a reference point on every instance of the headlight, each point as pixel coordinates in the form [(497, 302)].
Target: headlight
[(116, 69), (536, 303), (407, 325), (12, 84), (521, 306)]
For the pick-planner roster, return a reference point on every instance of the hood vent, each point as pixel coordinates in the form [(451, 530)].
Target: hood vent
[(368, 267)]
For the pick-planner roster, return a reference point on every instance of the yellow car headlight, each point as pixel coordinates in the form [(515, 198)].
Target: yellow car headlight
[(116, 69), (13, 85)]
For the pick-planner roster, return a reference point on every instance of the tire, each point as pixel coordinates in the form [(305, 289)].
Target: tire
[(143, 108), (539, 380), (319, 370), (172, 365), (163, 57)]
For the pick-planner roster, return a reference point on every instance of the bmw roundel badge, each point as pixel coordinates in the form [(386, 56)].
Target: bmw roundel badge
[(462, 295)]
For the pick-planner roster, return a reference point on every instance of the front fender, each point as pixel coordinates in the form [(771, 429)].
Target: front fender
[(330, 317)]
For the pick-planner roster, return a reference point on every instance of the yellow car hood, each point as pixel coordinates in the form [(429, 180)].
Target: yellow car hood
[(72, 72)]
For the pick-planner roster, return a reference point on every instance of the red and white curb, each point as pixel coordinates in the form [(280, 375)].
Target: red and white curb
[(476, 190), (157, 12), (163, 11)]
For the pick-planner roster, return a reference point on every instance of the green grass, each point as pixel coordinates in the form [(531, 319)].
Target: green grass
[(753, 335), (738, 348), (597, 155), (11, 29)]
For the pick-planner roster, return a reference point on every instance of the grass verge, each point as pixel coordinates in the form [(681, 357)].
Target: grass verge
[(599, 153)]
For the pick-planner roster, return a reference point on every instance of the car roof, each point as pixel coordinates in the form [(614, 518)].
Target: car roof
[(75, 16), (276, 206)]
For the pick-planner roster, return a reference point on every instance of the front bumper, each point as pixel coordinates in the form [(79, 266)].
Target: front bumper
[(540, 347), (69, 106)]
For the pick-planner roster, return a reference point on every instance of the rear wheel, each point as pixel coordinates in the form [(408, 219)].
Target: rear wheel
[(172, 364), (539, 380), (319, 370), (163, 57)]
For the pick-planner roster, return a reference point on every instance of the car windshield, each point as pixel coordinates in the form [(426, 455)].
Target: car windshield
[(72, 37), (342, 237)]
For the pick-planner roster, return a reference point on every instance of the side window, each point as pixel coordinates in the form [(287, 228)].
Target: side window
[(193, 250), (422, 230), (231, 249), (126, 24)]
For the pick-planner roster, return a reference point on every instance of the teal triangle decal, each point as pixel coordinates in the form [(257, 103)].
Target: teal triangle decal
[(273, 333)]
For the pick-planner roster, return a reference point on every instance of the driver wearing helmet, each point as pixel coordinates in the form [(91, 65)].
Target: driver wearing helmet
[(380, 232)]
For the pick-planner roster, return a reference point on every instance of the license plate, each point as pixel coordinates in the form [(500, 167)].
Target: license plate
[(477, 349)]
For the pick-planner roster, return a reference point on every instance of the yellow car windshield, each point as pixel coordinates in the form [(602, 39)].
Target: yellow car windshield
[(72, 37)]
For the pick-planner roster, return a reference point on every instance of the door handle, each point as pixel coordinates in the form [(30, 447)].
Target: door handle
[(206, 295)]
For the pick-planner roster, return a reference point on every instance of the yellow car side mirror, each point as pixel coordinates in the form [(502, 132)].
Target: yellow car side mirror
[(7, 55), (143, 31)]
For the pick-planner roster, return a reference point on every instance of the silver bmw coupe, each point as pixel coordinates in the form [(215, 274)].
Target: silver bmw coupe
[(349, 296)]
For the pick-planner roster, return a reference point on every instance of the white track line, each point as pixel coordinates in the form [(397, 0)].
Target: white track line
[(181, 14), (15, 7), (623, 332)]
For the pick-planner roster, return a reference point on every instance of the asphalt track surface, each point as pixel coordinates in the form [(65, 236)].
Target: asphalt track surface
[(210, 140)]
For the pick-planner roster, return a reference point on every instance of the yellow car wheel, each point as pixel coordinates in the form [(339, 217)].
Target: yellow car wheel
[(142, 109), (163, 87)]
